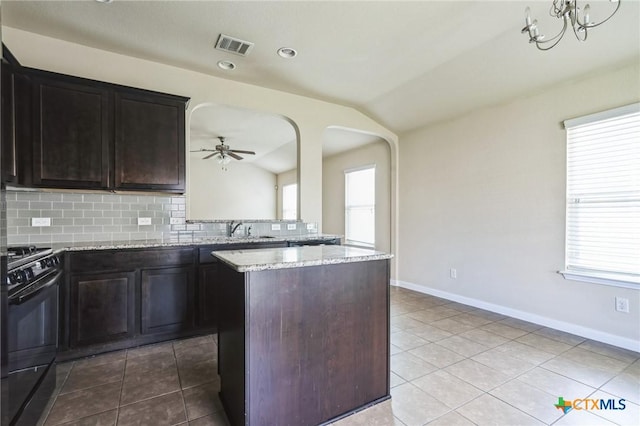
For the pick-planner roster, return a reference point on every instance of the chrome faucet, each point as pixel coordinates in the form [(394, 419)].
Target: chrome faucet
[(232, 229)]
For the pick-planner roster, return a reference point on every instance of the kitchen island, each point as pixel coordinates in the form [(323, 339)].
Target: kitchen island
[(303, 333)]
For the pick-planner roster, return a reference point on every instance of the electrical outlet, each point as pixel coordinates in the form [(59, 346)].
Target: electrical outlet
[(622, 304), (40, 221), (176, 221), (144, 221), (453, 273), (291, 226), (311, 226), (275, 226)]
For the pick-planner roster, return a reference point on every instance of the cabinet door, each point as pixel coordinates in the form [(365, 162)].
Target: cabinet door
[(167, 300), (16, 125), (208, 295), (102, 308), (71, 133), (149, 142)]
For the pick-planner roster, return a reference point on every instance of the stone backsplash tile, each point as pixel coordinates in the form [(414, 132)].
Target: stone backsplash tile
[(79, 217)]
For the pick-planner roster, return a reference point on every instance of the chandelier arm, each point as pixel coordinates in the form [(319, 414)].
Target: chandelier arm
[(555, 38), (577, 33), (554, 10), (587, 25)]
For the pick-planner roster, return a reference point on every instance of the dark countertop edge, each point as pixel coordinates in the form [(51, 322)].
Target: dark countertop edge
[(135, 244)]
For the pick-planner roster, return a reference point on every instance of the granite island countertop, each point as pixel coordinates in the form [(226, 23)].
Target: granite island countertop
[(296, 257), (184, 241)]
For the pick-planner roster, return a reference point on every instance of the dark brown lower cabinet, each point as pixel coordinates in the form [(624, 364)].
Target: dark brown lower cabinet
[(208, 295), (167, 300), (102, 308), (303, 346)]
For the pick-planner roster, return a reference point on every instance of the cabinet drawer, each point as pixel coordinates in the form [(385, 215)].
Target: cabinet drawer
[(107, 260)]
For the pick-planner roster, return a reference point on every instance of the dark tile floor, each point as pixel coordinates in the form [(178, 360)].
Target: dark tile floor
[(166, 384), (451, 364)]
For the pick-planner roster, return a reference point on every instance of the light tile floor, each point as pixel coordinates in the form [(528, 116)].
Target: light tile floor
[(451, 364)]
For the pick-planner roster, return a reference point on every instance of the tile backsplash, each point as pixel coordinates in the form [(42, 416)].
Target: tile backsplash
[(86, 217)]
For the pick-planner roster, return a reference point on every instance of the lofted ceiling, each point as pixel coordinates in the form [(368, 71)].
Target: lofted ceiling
[(404, 63)]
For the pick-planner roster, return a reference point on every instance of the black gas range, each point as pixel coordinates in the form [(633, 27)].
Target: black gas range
[(31, 334), (27, 266)]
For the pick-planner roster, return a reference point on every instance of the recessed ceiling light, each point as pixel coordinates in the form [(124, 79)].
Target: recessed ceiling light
[(104, 1), (287, 52), (226, 65)]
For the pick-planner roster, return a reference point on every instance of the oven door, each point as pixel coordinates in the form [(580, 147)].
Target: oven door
[(32, 335), (33, 324)]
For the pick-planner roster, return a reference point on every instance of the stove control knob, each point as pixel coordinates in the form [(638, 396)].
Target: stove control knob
[(12, 278), (28, 274), (55, 260), (47, 262), (20, 277)]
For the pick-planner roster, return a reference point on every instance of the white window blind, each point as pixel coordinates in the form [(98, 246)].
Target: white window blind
[(360, 207), (603, 195), (290, 201)]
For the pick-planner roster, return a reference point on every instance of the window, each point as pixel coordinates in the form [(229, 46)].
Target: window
[(360, 206), (290, 201), (603, 197)]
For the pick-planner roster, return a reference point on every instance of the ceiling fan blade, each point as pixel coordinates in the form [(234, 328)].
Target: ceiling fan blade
[(203, 150), (209, 156), (242, 151), (232, 155)]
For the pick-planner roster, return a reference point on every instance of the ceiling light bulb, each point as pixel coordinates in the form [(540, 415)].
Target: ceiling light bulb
[(226, 65), (287, 52)]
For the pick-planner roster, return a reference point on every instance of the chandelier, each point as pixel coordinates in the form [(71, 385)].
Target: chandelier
[(571, 14)]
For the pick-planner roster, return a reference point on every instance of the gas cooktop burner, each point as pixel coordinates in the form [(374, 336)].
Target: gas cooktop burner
[(21, 255), (21, 250)]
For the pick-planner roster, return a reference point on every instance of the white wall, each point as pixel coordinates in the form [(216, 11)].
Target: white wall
[(485, 194), (333, 190), (243, 191), (311, 117)]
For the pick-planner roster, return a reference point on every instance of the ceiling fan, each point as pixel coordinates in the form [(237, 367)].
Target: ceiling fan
[(224, 151)]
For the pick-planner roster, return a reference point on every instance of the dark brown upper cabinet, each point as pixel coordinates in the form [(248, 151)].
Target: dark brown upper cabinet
[(16, 128), (96, 135), (149, 142), (71, 134)]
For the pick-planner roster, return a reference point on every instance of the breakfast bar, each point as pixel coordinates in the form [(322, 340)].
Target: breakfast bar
[(303, 333)]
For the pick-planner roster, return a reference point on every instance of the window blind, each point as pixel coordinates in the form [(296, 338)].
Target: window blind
[(360, 200), (603, 194)]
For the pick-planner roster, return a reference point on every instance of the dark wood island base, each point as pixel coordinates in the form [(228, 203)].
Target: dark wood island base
[(305, 345)]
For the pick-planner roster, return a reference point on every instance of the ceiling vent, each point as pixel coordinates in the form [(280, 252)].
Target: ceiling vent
[(233, 45)]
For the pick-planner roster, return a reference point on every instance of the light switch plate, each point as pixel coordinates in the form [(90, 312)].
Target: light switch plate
[(144, 221), (291, 226), (275, 226), (40, 221)]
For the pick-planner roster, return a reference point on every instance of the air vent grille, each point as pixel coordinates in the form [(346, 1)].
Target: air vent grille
[(233, 45)]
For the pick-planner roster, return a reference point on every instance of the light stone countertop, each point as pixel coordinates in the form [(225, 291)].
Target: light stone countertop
[(296, 257), (184, 241)]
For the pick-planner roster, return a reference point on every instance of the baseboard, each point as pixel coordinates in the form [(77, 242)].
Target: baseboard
[(588, 333)]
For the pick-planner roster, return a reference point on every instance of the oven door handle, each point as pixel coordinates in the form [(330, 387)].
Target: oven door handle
[(21, 298)]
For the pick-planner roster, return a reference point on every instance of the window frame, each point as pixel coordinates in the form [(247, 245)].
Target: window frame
[(356, 243), (283, 201), (618, 279)]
